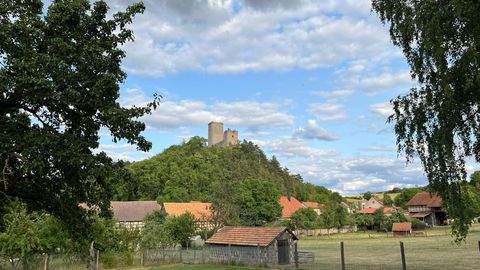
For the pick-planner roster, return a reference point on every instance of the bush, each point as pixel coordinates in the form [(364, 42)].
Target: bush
[(418, 224)]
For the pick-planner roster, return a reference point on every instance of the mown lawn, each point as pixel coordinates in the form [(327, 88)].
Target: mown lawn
[(376, 251)]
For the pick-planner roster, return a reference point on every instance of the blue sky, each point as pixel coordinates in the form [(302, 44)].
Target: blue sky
[(308, 81)]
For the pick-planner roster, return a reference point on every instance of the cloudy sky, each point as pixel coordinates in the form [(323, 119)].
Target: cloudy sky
[(308, 81)]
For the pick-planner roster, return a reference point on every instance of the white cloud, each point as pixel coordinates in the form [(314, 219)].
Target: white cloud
[(354, 175), (252, 115), (236, 36), (313, 132), (122, 151), (385, 81), (293, 148), (335, 94), (328, 111), (383, 109)]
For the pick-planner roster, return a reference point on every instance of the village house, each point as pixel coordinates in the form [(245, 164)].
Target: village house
[(402, 228), (373, 202), (289, 205), (255, 246), (132, 214), (427, 207), (201, 211), (317, 207)]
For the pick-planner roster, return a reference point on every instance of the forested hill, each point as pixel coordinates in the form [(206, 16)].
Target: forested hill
[(194, 172)]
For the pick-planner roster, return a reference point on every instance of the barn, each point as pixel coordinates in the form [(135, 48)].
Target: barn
[(253, 246), (402, 228)]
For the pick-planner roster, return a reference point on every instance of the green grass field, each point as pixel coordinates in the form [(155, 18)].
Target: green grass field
[(199, 267), (376, 251)]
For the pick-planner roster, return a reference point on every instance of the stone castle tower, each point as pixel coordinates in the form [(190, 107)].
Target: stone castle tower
[(216, 135)]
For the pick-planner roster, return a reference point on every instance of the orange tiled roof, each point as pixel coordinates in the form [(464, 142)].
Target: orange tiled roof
[(200, 210), (427, 199), (289, 206), (247, 236), (313, 205), (402, 227), (131, 211)]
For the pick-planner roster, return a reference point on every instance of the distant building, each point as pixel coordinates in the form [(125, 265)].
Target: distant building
[(317, 207), (132, 214), (427, 208), (372, 203), (216, 135), (253, 246), (402, 228), (289, 206), (202, 212)]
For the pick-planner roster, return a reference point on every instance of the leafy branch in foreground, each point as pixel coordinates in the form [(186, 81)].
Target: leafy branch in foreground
[(59, 84), (438, 120)]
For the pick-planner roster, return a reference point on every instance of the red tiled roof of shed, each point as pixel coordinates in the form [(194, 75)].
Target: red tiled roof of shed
[(131, 211), (425, 198), (290, 206), (402, 227), (247, 236)]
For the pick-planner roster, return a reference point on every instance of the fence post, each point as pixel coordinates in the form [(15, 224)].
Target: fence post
[(402, 253), (479, 246), (45, 263), (142, 258), (342, 255), (91, 259), (97, 259), (296, 255)]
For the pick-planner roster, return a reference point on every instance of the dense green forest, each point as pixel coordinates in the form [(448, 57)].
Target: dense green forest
[(192, 171)]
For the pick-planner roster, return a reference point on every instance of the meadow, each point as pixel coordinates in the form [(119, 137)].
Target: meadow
[(434, 250)]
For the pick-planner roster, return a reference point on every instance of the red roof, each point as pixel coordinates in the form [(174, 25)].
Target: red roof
[(200, 210), (427, 199), (289, 206), (402, 227), (247, 236), (371, 211), (131, 211)]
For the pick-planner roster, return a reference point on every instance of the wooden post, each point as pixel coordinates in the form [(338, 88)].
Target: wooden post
[(402, 253), (478, 246), (342, 255), (91, 259), (45, 263), (97, 258), (142, 258), (296, 255)]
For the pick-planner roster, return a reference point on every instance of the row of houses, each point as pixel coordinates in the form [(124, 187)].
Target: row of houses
[(424, 206), (132, 214)]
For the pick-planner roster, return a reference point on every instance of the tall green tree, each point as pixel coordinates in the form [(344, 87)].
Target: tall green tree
[(258, 202), (59, 84), (437, 120), (387, 200)]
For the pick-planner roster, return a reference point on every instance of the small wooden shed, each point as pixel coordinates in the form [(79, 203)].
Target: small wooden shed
[(253, 246), (402, 228)]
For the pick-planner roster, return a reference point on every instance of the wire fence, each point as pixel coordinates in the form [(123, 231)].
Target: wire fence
[(376, 253)]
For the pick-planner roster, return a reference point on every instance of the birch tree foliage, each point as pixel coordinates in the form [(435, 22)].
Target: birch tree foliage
[(438, 120)]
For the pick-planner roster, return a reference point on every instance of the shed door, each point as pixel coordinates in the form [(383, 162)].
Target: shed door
[(283, 252)]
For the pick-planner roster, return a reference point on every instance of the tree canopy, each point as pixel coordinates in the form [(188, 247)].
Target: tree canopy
[(226, 176), (438, 119), (59, 84)]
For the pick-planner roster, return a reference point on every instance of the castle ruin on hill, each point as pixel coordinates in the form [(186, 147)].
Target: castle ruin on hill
[(216, 135)]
